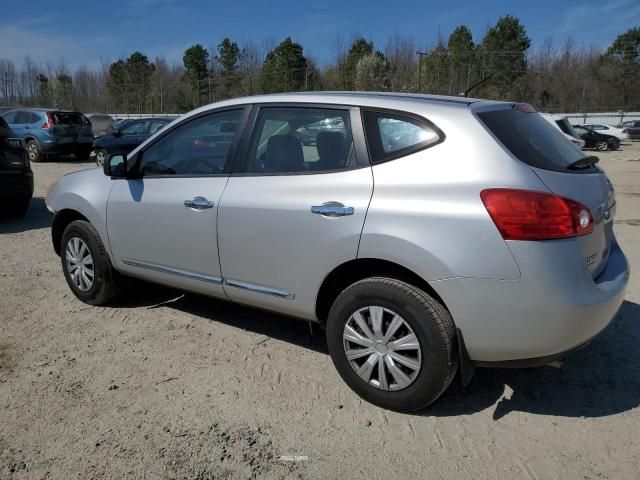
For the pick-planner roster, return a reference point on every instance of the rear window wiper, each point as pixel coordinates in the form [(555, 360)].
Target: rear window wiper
[(584, 162)]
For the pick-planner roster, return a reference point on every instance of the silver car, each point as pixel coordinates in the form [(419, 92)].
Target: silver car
[(427, 234)]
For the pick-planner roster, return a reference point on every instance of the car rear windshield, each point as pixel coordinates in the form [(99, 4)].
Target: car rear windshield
[(69, 118), (531, 139)]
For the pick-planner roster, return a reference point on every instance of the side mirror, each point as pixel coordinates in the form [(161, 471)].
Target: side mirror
[(117, 133), (115, 166)]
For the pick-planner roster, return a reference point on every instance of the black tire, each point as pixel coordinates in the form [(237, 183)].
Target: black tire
[(103, 288), (429, 320), (33, 152)]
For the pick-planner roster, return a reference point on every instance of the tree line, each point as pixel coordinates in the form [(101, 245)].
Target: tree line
[(501, 66)]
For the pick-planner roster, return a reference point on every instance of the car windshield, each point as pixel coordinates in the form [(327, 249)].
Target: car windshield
[(532, 139)]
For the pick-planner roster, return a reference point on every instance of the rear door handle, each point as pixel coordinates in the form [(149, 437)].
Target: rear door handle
[(198, 203), (332, 210)]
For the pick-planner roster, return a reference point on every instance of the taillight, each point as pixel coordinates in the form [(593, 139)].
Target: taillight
[(531, 215), (49, 123), (626, 130)]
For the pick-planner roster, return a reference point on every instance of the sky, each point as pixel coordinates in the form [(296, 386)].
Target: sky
[(91, 32)]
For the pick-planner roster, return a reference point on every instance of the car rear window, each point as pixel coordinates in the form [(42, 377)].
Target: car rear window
[(531, 139), (69, 118)]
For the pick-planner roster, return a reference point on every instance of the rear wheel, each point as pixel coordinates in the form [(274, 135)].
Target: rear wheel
[(392, 343), (34, 152), (86, 265), (602, 146)]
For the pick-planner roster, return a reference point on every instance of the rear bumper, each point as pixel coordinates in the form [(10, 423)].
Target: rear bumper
[(552, 309)]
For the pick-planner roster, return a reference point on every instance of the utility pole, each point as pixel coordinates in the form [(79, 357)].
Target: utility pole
[(420, 55)]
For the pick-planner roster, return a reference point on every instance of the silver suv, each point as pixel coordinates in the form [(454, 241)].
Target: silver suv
[(428, 234)]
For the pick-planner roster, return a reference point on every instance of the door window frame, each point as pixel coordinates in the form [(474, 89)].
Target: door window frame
[(245, 110), (241, 161)]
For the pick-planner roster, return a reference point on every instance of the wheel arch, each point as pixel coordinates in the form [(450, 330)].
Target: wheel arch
[(60, 222), (357, 269)]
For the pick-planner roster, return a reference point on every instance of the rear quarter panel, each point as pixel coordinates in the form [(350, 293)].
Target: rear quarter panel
[(426, 213)]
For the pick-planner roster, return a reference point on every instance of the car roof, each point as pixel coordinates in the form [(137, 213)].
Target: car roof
[(393, 101)]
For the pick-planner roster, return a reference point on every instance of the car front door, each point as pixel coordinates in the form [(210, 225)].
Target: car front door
[(162, 224), (291, 212)]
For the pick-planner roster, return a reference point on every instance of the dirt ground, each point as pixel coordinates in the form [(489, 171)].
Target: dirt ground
[(166, 385)]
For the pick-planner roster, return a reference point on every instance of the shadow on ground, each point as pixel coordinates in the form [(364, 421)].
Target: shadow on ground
[(599, 380), (36, 217), (273, 325)]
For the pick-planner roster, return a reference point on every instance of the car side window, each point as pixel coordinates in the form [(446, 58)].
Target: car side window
[(134, 128), (197, 147), (155, 125), (391, 135), (301, 140), (10, 117), (22, 118)]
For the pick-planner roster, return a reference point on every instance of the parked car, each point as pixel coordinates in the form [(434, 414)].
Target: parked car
[(562, 124), (6, 109), (632, 127), (16, 177), (51, 132), (487, 241), (598, 141), (101, 124), (127, 136), (619, 133)]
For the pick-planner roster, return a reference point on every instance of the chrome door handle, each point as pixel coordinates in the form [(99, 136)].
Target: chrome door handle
[(198, 203), (332, 210)]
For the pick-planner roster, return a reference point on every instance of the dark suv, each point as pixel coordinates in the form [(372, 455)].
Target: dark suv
[(16, 177), (51, 132)]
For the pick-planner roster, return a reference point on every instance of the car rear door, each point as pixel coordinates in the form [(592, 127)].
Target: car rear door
[(162, 224), (291, 213)]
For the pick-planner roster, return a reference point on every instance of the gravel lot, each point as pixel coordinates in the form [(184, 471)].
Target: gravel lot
[(172, 385)]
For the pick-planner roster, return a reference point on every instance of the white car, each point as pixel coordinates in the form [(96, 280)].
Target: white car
[(619, 133), (562, 124)]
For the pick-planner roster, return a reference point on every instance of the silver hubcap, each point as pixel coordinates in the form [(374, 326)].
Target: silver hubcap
[(33, 152), (601, 146), (382, 348), (80, 264), (100, 158)]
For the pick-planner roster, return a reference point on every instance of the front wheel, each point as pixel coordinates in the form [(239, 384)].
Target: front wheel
[(101, 157), (392, 343), (602, 146), (86, 265)]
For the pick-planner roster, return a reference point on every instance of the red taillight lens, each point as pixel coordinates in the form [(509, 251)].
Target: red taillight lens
[(49, 123), (625, 130), (531, 215)]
